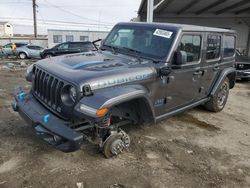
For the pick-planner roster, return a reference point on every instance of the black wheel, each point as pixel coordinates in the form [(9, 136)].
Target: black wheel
[(22, 55), (218, 101), (48, 56), (245, 79), (113, 146)]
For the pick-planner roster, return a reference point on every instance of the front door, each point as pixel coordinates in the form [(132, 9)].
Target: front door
[(62, 49), (183, 83)]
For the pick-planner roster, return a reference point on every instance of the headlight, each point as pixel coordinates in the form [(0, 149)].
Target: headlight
[(69, 95), (241, 66), (29, 69), (29, 73), (72, 93)]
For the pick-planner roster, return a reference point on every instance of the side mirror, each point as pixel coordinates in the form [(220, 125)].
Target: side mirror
[(165, 71), (180, 58)]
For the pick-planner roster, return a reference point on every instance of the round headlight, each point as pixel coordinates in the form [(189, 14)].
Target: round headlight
[(72, 93), (68, 95), (29, 71)]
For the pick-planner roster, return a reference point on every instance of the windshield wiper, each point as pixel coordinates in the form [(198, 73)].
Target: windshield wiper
[(112, 48), (136, 52), (139, 56)]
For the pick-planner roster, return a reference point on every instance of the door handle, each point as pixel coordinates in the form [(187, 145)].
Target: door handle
[(216, 68), (198, 72)]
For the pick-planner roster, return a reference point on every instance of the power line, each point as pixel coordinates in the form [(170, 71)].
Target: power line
[(76, 15), (57, 21)]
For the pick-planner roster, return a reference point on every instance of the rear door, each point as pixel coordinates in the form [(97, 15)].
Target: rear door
[(211, 65), (34, 51), (7, 49), (185, 82), (74, 47)]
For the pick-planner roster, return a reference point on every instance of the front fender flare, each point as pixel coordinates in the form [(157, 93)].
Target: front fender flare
[(109, 97)]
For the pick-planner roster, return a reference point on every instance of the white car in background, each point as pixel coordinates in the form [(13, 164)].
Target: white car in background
[(29, 51), (7, 50)]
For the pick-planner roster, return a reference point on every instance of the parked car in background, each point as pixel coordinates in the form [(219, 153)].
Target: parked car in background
[(68, 48), (7, 50), (29, 51), (242, 66)]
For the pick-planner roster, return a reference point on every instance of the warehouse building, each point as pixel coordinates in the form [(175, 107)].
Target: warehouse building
[(229, 14), (58, 36)]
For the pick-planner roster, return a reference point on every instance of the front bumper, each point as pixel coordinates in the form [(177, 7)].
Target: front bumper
[(242, 73), (47, 126)]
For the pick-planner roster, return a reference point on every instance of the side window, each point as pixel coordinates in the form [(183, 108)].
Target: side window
[(57, 38), (74, 45), (31, 47), (34, 47), (63, 46), (213, 47), (228, 46), (20, 45), (191, 44), (7, 46)]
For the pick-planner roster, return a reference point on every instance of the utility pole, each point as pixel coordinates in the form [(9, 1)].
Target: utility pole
[(150, 11), (34, 18)]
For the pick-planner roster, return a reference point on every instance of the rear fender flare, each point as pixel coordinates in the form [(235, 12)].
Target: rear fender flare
[(228, 72)]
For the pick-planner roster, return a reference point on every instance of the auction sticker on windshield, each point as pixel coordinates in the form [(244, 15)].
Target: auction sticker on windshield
[(163, 33)]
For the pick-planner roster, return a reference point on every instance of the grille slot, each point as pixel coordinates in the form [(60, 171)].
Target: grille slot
[(242, 66), (47, 89)]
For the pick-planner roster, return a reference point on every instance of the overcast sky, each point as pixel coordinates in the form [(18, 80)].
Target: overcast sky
[(67, 14)]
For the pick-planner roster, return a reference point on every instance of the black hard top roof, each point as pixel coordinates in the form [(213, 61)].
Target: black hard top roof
[(184, 27)]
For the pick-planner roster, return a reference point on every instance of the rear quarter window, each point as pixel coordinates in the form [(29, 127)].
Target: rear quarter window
[(229, 46)]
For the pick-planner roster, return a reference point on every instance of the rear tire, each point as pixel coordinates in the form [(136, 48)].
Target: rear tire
[(22, 55), (218, 101)]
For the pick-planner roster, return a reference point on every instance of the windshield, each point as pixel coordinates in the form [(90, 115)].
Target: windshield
[(143, 41)]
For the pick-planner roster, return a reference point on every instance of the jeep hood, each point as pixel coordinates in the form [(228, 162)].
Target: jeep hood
[(99, 70)]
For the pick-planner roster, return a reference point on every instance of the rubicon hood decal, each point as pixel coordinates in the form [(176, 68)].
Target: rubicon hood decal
[(131, 76)]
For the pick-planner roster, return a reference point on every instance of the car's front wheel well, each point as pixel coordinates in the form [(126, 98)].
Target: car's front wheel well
[(137, 110)]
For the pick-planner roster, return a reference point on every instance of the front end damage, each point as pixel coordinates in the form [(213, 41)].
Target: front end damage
[(68, 136)]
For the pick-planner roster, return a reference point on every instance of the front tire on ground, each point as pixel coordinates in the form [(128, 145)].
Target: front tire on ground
[(218, 101), (22, 55)]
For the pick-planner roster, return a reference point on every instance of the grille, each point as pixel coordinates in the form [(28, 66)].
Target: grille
[(47, 89), (242, 66)]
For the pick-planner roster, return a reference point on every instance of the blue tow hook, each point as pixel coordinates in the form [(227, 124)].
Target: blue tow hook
[(21, 96), (46, 118)]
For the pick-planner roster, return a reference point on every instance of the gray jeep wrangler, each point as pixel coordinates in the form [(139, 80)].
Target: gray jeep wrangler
[(142, 73)]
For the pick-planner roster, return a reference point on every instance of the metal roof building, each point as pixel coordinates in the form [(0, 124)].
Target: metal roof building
[(229, 14)]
